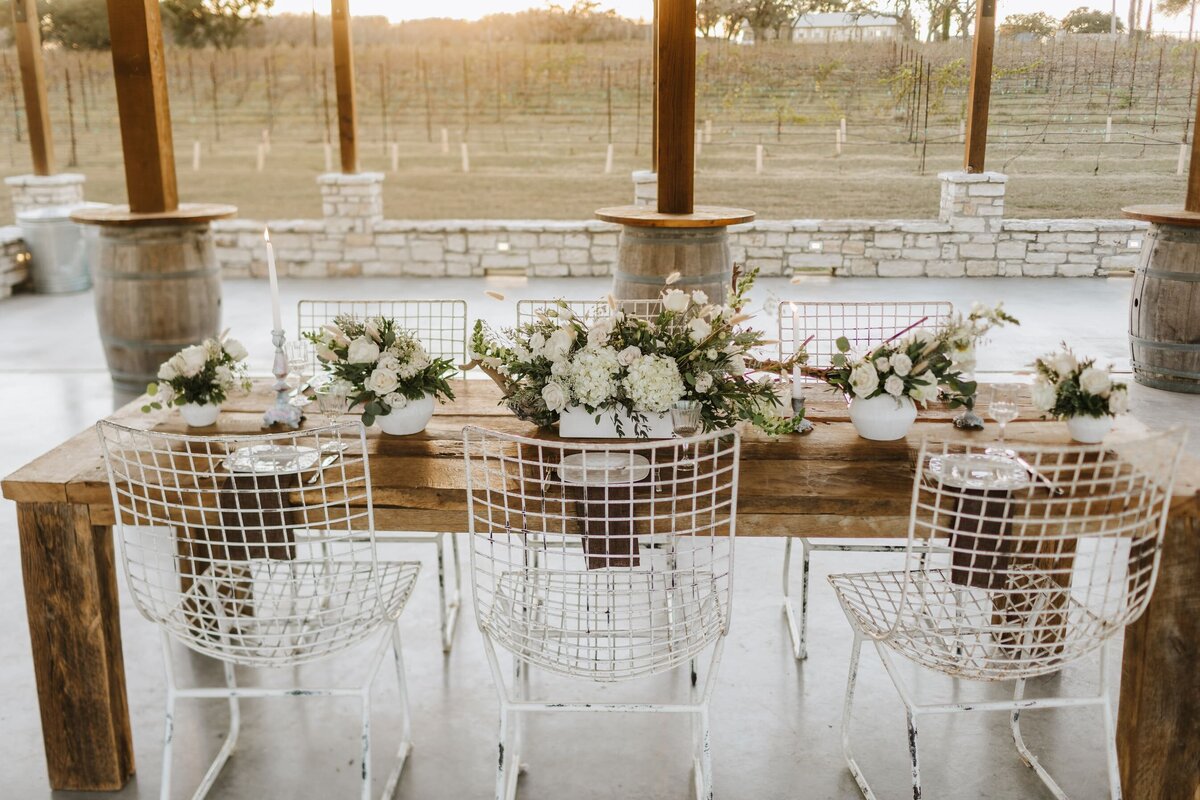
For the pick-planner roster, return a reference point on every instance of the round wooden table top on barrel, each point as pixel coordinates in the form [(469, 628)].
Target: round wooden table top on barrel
[(701, 217), (1164, 214), (186, 214)]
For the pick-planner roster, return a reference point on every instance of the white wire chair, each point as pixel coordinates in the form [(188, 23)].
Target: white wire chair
[(441, 325), (529, 310), (605, 562), (251, 550), (817, 326), (1035, 577)]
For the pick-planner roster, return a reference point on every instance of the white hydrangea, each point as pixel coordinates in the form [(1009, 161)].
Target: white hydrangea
[(1044, 395), (592, 374), (653, 383)]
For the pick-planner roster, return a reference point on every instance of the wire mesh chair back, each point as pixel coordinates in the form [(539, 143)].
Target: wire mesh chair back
[(605, 561), (865, 325), (441, 325), (1040, 557), (530, 310), (254, 549)]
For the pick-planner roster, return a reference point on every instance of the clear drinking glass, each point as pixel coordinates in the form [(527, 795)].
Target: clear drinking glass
[(333, 400), (300, 362), (685, 421), (1002, 407)]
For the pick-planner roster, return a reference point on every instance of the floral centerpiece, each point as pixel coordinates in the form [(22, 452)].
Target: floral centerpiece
[(387, 369), (199, 378), (629, 371), (884, 384), (1076, 390)]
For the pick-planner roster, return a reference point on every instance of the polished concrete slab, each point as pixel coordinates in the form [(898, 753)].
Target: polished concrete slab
[(775, 721)]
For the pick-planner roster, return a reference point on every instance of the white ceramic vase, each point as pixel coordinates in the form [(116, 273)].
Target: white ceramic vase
[(883, 418), (574, 422), (408, 420), (1089, 430), (199, 415)]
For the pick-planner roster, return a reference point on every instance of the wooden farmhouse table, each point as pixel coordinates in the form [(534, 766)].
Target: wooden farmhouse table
[(825, 484)]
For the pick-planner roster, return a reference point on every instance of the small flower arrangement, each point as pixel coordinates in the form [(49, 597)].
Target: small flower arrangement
[(692, 350), (920, 365), (203, 374), (384, 365), (1067, 386)]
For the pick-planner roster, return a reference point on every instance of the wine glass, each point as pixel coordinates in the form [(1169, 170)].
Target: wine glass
[(333, 400), (685, 421), (1002, 407), (299, 360)]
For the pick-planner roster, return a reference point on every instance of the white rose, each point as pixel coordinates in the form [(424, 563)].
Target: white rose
[(235, 349), (166, 371), (362, 351), (598, 334), (1063, 363), (383, 381), (388, 361), (882, 364), (558, 345), (193, 360), (1044, 395), (699, 297), (536, 342), (560, 368), (1118, 400), (1095, 381), (901, 364), (894, 385), (629, 355), (396, 401), (704, 382), (864, 380), (555, 396), (675, 300), (700, 329)]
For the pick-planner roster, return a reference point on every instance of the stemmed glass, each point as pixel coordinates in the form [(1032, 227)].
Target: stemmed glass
[(685, 421), (333, 400), (300, 360), (1002, 407)]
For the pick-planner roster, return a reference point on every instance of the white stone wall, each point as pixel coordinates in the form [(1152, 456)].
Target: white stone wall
[(859, 248), (37, 191), (14, 260)]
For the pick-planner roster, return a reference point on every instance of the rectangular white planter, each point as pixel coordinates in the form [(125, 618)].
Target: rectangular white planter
[(576, 423)]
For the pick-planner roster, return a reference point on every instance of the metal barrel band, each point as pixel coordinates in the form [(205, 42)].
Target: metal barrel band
[(1170, 275), (684, 280), (1154, 344)]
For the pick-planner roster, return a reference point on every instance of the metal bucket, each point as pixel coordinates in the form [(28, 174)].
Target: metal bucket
[(58, 250)]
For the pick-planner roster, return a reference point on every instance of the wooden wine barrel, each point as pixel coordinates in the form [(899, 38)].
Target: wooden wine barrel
[(1164, 310), (655, 245), (157, 290)]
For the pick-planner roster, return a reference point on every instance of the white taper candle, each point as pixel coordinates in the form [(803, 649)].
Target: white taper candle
[(276, 317)]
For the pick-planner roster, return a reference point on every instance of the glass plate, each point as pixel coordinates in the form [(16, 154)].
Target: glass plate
[(272, 459), (978, 471), (600, 468)]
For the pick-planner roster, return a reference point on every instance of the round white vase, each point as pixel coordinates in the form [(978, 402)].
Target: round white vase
[(1089, 430), (411, 419), (199, 415), (883, 418)]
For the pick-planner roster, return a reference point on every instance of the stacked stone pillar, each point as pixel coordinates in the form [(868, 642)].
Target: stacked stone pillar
[(31, 192)]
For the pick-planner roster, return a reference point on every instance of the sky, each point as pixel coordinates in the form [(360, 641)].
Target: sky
[(398, 10)]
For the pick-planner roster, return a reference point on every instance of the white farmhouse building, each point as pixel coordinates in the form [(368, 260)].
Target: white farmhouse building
[(835, 27)]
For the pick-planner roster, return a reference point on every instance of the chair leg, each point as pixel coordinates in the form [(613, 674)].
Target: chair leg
[(168, 736), (448, 607), (912, 754), (1027, 756), (509, 760), (797, 628), (389, 788), (702, 756), (365, 792), (1110, 728), (847, 707)]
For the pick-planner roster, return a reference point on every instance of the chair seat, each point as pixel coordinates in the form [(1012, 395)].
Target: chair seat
[(1028, 626), (263, 612), (605, 624)]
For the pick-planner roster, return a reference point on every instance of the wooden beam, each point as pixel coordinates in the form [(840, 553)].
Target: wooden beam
[(675, 96), (33, 81), (139, 68), (980, 93), (654, 91), (343, 74), (1192, 201)]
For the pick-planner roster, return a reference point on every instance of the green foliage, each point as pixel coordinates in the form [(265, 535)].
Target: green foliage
[(216, 23), (1089, 20), (76, 24), (1039, 24)]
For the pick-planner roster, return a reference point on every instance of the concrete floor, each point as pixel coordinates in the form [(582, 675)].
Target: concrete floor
[(775, 722)]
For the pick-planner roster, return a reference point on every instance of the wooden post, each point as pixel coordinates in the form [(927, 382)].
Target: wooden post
[(676, 98), (33, 81), (140, 73), (654, 91), (981, 85), (1192, 200), (343, 76)]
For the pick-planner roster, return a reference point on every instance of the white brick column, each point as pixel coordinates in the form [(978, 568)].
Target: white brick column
[(645, 187), (37, 191), (351, 202), (973, 201)]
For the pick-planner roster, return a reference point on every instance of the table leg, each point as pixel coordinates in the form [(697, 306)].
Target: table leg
[(1158, 723), (70, 581)]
